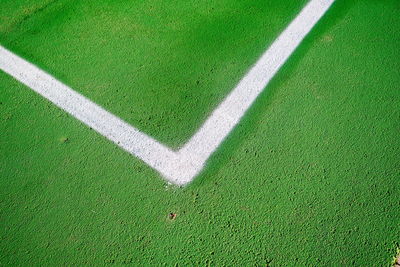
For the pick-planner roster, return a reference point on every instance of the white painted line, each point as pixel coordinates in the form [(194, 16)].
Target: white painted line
[(179, 167), (226, 116), (127, 137)]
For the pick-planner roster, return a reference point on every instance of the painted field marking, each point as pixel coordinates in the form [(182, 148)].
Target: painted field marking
[(179, 167)]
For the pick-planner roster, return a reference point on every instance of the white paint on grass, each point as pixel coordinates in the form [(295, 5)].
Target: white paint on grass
[(179, 167), (129, 138)]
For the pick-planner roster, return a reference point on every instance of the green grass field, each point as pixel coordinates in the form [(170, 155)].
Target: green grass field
[(161, 67), (310, 176)]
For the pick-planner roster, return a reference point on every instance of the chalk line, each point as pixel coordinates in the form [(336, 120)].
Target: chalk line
[(179, 167), (226, 116), (127, 137)]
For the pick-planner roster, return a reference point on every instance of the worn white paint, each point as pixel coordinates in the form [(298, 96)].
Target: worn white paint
[(179, 167)]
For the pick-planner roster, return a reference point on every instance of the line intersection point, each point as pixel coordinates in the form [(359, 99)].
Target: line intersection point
[(182, 166)]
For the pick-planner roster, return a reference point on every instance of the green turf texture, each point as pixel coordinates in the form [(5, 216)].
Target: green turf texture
[(310, 176), (162, 67)]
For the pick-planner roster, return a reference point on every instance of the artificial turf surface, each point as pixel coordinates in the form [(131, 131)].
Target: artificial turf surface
[(311, 175), (162, 67)]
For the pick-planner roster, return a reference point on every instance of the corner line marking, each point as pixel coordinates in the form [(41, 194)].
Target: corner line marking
[(182, 166)]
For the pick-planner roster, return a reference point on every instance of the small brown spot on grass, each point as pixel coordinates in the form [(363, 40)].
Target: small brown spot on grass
[(172, 216), (64, 140), (327, 38), (396, 262)]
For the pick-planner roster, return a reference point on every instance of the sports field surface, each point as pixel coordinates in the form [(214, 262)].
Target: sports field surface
[(309, 176)]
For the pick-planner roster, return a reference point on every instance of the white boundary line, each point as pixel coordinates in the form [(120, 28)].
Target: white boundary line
[(179, 167)]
